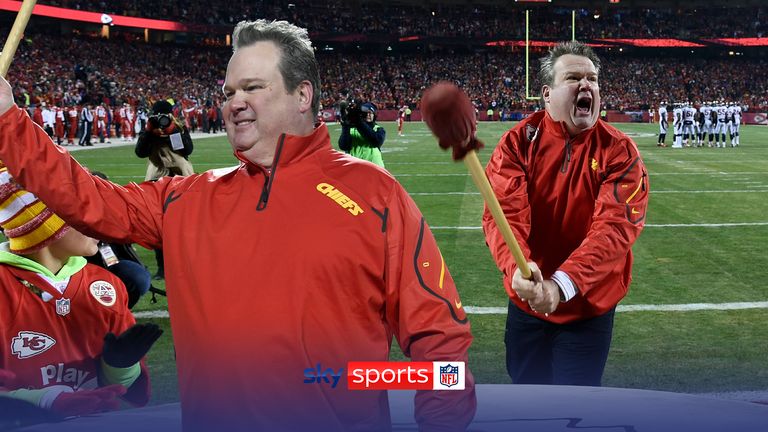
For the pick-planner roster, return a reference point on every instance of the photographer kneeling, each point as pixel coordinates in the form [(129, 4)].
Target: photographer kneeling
[(360, 135), (167, 144)]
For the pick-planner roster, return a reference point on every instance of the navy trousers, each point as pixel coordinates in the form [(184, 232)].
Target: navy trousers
[(135, 277), (540, 352)]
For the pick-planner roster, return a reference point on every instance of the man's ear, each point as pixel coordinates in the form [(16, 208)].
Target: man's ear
[(545, 93), (305, 92)]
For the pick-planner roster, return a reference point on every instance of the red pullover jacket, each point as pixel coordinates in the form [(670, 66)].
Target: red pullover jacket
[(575, 204), (269, 274)]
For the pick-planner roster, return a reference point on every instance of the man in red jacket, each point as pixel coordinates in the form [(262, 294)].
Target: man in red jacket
[(279, 270), (575, 192)]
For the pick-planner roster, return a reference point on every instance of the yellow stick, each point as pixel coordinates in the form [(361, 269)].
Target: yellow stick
[(17, 31), (481, 181)]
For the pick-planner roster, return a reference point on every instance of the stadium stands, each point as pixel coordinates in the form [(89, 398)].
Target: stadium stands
[(456, 20), (78, 65), (54, 69)]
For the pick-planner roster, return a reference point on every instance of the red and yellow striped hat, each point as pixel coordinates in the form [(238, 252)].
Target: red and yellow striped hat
[(27, 222)]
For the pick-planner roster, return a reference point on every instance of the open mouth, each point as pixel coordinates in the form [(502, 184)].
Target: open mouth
[(584, 104)]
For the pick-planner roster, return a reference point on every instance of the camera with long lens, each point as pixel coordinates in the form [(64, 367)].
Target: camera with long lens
[(160, 121), (351, 111)]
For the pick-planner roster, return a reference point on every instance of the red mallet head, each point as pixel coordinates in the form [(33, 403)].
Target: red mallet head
[(451, 117)]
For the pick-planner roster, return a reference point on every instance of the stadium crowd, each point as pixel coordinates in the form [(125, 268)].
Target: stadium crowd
[(67, 71), (626, 83), (454, 20), (54, 69)]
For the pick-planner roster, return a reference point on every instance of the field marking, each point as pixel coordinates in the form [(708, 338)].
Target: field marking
[(712, 173), (486, 310), (754, 190), (433, 175), (394, 149), (144, 164), (711, 191), (688, 307), (421, 163), (441, 193), (652, 174), (701, 225), (711, 225), (640, 134)]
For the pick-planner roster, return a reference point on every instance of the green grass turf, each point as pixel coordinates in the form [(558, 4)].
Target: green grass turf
[(677, 351)]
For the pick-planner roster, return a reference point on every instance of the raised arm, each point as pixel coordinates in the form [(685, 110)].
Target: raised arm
[(92, 205)]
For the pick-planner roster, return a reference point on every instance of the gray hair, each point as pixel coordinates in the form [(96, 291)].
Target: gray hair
[(547, 70), (297, 62)]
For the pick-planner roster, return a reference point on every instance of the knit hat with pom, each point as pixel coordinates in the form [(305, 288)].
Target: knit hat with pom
[(27, 222)]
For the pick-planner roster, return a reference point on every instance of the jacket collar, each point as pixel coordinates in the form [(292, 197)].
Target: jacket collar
[(559, 130), (294, 148)]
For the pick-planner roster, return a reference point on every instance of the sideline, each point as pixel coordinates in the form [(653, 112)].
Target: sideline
[(757, 188), (700, 225), (486, 310), (118, 142)]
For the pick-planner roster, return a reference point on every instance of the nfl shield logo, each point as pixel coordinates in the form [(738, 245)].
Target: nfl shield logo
[(62, 306), (449, 375)]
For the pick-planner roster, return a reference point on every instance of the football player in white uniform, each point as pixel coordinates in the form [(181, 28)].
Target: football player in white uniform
[(706, 113), (677, 126), (736, 125), (722, 124), (688, 113), (662, 124), (698, 124)]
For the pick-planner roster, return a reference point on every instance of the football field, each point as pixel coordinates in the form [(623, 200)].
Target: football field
[(696, 315)]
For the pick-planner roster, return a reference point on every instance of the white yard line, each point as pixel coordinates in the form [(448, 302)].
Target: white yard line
[(486, 310), (433, 175), (421, 163), (652, 174), (711, 225), (756, 189), (701, 225), (712, 191), (482, 310), (718, 173)]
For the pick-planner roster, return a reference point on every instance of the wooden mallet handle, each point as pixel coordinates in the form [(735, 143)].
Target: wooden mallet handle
[(17, 31), (450, 115), (484, 186)]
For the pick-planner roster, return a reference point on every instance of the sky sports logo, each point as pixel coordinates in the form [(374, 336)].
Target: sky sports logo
[(392, 375)]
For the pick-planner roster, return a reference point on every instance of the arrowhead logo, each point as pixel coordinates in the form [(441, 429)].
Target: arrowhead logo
[(29, 344)]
